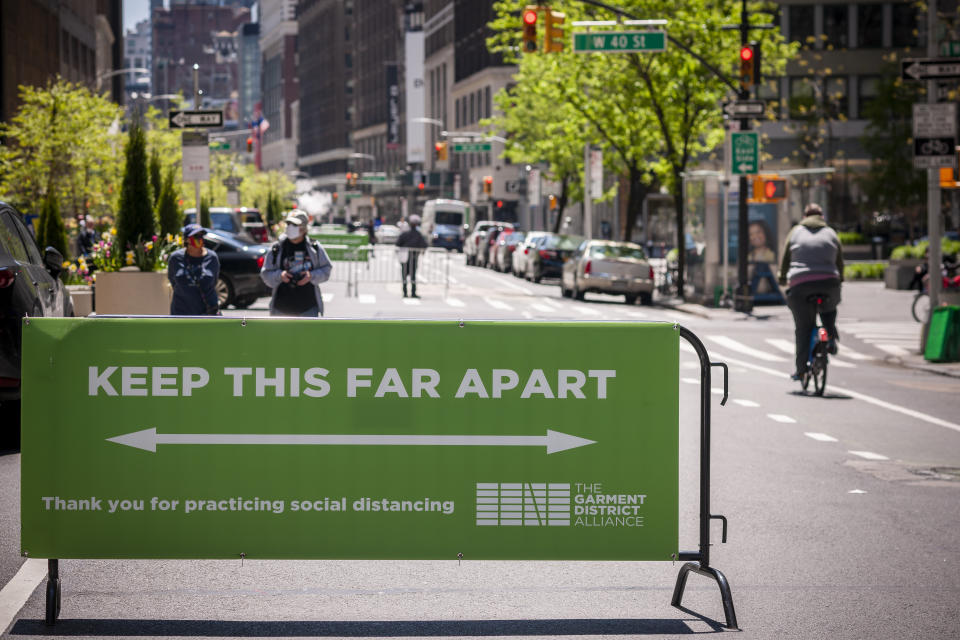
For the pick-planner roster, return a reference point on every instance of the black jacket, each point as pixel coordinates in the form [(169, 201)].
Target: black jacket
[(411, 239)]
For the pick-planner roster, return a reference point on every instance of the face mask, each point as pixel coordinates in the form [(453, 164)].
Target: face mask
[(196, 242), (294, 231)]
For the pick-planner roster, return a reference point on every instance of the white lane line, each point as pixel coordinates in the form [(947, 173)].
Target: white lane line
[(893, 350), (412, 301), (504, 282), (16, 592), (746, 403), (367, 298), (787, 346), (690, 380), (847, 352), (730, 343), (542, 308), (919, 415), (327, 297), (820, 437), (552, 303), (869, 455), (498, 304), (856, 491), (455, 302), (779, 417)]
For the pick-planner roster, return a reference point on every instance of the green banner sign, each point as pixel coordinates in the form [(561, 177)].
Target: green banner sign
[(471, 147), (291, 438), (619, 41), (344, 246)]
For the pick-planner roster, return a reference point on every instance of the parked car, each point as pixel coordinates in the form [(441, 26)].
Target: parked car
[(30, 285), (447, 236), (548, 256), (477, 240), (387, 233), (608, 267), (246, 224), (524, 250), (486, 250), (501, 258), (239, 283)]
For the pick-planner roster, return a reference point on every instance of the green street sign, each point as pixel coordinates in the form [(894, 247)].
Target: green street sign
[(220, 146), (373, 177), (950, 48), (294, 438), (619, 41), (745, 152), (471, 147), (344, 246)]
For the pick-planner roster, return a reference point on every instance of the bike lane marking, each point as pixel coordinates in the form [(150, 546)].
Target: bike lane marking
[(820, 437), (730, 343), (779, 417), (16, 592), (869, 455)]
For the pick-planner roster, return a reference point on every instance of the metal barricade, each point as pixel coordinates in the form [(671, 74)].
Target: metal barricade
[(380, 264)]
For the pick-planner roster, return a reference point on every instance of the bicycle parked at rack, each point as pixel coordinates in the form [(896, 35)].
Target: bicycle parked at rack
[(817, 352)]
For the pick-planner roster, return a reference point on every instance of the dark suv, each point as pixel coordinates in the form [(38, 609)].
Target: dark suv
[(246, 224), (29, 285)]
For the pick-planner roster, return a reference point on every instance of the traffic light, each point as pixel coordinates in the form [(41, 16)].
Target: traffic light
[(440, 151), (530, 29), (553, 201), (250, 145), (553, 31), (749, 65), (352, 178), (769, 189), (488, 184)]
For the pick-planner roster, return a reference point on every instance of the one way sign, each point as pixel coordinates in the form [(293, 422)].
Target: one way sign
[(744, 108), (181, 119), (929, 68)]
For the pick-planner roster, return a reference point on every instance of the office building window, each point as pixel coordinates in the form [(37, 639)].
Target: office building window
[(802, 96), (836, 25), (801, 24), (473, 113), (869, 26), (489, 104), (904, 25), (837, 96), (867, 90), (456, 113)]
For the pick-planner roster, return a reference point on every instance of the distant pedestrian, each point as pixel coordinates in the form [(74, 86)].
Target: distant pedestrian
[(193, 272), (410, 245), (294, 268), (86, 236)]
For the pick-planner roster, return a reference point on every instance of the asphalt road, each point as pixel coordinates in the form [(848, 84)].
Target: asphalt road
[(843, 518)]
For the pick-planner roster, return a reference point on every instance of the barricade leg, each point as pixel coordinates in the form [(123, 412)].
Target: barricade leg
[(53, 591), (709, 572)]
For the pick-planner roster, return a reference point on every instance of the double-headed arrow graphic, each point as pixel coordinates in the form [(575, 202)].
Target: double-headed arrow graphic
[(148, 439)]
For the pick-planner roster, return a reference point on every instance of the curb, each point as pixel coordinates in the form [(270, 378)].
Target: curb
[(689, 308), (950, 372)]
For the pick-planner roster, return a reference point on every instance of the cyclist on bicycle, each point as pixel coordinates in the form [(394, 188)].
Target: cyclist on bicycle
[(812, 265)]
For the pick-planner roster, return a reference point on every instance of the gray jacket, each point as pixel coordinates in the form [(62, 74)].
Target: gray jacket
[(270, 273), (811, 248)]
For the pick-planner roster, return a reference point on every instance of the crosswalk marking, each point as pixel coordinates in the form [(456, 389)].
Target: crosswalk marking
[(411, 301), (690, 380), (327, 297), (498, 304), (455, 302), (893, 350), (788, 347), (586, 311), (552, 303), (367, 298), (869, 455), (820, 437), (746, 403), (848, 352), (779, 417), (542, 308), (730, 343)]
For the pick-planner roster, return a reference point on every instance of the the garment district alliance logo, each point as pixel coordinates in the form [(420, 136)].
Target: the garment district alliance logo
[(556, 504)]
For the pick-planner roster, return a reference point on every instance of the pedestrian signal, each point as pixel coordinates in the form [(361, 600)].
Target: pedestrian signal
[(553, 31), (530, 30), (949, 179), (769, 189), (249, 145), (488, 184), (440, 151)]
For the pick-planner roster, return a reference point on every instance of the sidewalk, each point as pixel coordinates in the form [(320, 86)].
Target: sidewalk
[(862, 301)]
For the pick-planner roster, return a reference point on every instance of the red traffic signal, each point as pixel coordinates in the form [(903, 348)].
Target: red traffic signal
[(249, 144), (420, 186), (529, 30), (746, 53), (530, 16)]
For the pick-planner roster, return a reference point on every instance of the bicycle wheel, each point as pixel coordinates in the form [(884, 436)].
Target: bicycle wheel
[(805, 379), (921, 307), (819, 371)]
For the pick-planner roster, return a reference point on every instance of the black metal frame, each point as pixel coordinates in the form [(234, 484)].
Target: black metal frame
[(699, 561), (696, 561)]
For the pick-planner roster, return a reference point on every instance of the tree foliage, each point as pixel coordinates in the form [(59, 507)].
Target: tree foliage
[(653, 113), (52, 232), (169, 214), (205, 213), (135, 218), (156, 176)]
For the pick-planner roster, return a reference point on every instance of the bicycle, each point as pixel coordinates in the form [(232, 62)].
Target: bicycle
[(921, 306), (817, 352)]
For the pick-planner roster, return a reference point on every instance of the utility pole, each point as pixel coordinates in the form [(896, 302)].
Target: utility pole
[(742, 300), (196, 106), (934, 230)]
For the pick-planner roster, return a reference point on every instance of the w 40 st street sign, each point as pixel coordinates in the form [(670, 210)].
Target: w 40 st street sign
[(620, 41)]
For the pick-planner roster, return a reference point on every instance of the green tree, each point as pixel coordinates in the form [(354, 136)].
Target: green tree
[(168, 211), (156, 177), (204, 213), (52, 232), (135, 219)]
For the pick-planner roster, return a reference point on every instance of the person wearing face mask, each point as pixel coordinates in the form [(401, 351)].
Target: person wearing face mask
[(193, 273), (294, 267)]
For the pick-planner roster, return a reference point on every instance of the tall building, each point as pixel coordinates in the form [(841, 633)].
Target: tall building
[(203, 34), (248, 51), (280, 84), (438, 69), (137, 53), (326, 90)]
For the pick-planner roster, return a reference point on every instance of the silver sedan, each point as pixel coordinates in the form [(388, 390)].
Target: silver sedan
[(608, 267)]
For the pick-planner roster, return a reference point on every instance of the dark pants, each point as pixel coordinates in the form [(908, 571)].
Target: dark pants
[(805, 313), (408, 269)]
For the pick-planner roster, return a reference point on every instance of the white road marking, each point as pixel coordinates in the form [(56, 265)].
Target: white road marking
[(869, 455), (716, 391), (16, 592), (327, 297), (412, 301), (676, 317), (542, 308), (893, 350), (455, 302), (527, 315), (498, 304), (551, 302), (788, 347), (853, 394), (821, 437), (746, 403), (856, 491), (367, 298), (504, 282), (690, 380), (635, 314), (779, 417), (730, 343), (847, 352), (585, 311)]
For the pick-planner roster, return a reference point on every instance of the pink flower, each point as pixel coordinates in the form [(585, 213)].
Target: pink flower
[(154, 238)]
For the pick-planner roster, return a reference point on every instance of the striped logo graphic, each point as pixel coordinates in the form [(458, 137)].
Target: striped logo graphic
[(523, 504)]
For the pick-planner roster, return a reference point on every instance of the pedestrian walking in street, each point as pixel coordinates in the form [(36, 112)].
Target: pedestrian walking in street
[(294, 267), (812, 264), (193, 272), (410, 245)]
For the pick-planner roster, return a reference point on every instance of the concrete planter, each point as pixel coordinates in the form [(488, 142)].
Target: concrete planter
[(81, 295), (899, 273), (139, 293)]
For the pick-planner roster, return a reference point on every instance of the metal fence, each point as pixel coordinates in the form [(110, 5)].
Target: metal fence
[(372, 264)]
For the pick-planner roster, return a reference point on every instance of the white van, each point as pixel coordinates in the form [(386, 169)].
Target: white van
[(444, 223)]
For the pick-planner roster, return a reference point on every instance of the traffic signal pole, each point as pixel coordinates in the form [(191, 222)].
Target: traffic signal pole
[(742, 300)]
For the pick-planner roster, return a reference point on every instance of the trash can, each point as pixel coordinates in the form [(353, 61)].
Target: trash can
[(943, 340)]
